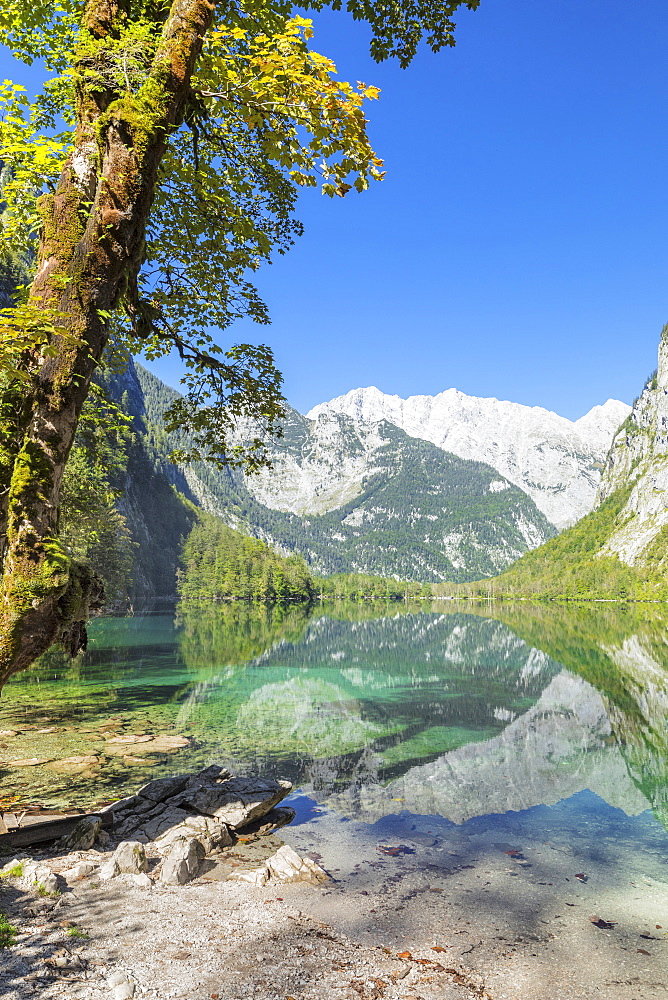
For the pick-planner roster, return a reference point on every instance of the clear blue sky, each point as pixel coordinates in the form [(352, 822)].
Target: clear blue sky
[(518, 246)]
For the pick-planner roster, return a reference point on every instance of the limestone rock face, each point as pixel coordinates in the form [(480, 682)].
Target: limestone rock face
[(555, 460), (35, 874), (210, 832), (83, 835), (345, 475), (205, 805), (639, 458), (256, 876), (284, 866), (287, 866), (78, 871), (167, 819), (129, 858), (237, 801), (163, 788)]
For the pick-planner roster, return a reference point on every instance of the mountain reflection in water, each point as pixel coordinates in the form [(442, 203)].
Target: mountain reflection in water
[(370, 709)]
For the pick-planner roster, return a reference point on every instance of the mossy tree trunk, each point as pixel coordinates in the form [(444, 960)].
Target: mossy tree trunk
[(90, 251)]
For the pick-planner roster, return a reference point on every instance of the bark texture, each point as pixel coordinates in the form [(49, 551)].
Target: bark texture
[(90, 251)]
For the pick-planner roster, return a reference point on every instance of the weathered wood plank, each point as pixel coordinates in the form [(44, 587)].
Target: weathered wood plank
[(3, 825), (34, 818), (11, 821), (39, 833)]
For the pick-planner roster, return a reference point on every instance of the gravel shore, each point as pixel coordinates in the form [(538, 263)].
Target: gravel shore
[(432, 915)]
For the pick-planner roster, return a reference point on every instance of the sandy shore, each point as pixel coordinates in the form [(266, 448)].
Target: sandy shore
[(430, 912)]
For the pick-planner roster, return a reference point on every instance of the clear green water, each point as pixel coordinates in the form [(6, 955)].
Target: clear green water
[(371, 710)]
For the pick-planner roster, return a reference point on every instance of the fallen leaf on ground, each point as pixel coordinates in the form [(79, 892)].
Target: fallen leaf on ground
[(49, 729), (181, 955), (438, 948), (404, 954), (605, 925), (641, 951), (581, 876), (394, 852)]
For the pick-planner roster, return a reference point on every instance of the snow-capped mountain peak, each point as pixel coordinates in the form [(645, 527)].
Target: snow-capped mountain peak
[(555, 460)]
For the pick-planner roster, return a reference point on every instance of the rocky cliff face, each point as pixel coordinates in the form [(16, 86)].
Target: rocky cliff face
[(555, 460), (638, 461)]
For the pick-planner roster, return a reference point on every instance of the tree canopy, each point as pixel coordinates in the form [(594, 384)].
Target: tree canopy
[(156, 170)]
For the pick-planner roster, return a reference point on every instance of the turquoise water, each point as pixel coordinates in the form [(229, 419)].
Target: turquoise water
[(371, 711)]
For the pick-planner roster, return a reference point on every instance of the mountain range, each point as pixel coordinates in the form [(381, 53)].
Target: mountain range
[(556, 461), (431, 488)]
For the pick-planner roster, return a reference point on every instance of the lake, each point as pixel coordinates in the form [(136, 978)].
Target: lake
[(378, 713), (489, 781)]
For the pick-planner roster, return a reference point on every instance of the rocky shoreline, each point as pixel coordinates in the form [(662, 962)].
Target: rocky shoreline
[(68, 899), (190, 889), (176, 825)]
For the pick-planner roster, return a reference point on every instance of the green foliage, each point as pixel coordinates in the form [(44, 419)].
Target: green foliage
[(231, 633), (571, 566), (15, 872), (8, 932), (266, 116), (91, 526), (221, 563), (354, 586), (398, 27), (42, 890), (79, 935)]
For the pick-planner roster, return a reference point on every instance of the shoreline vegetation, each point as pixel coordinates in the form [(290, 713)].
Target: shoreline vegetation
[(222, 565), (219, 563)]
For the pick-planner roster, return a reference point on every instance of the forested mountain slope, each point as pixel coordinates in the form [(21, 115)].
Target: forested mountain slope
[(620, 549), (350, 497)]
